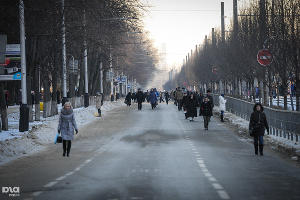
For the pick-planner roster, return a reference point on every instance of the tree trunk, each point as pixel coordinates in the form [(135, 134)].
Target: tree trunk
[(3, 109)]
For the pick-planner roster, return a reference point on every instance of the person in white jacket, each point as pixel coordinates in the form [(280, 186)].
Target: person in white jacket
[(222, 103)]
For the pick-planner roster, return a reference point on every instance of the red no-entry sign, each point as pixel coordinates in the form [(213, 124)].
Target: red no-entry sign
[(264, 57)]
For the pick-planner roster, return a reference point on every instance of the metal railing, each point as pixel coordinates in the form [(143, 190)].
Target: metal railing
[(282, 123)]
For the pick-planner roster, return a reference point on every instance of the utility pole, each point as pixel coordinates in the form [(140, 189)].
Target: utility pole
[(213, 37), (64, 54), (222, 23), (235, 20), (24, 110), (111, 76), (101, 77), (262, 38), (86, 81)]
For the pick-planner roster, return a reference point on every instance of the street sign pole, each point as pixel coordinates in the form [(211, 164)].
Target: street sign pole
[(24, 110)]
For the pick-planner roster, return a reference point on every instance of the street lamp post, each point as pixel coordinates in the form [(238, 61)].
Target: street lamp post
[(86, 82), (24, 110)]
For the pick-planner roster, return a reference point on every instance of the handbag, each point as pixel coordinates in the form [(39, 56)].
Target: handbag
[(58, 138), (251, 132)]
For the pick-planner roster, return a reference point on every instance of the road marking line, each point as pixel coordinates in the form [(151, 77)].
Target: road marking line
[(200, 161), (37, 193), (202, 165), (217, 186), (223, 194), (77, 169), (207, 174), (87, 161), (212, 179), (70, 173), (204, 170), (50, 184), (61, 178)]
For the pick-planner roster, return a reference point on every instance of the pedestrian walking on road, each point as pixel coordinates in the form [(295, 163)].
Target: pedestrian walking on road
[(179, 97), (206, 112), (167, 97), (222, 103), (184, 104), (140, 98), (153, 99), (191, 107), (66, 127), (257, 125), (128, 99), (99, 102)]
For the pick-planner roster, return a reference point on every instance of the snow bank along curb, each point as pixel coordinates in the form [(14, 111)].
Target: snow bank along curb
[(275, 142), (14, 144)]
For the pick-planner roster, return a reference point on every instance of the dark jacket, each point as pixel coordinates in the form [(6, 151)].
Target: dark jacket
[(258, 121), (140, 97), (184, 102), (191, 107), (211, 99), (206, 109), (128, 99)]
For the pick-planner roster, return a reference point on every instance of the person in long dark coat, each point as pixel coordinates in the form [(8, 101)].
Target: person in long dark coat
[(257, 126), (140, 98), (167, 97), (191, 107), (66, 127), (206, 112), (128, 99), (184, 104)]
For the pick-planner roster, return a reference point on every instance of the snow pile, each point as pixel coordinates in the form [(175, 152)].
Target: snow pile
[(276, 142), (14, 144)]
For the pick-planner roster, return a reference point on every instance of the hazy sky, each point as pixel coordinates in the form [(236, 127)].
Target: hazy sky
[(181, 24)]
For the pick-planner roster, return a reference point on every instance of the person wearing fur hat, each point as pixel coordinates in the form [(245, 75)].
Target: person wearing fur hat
[(66, 127), (257, 126)]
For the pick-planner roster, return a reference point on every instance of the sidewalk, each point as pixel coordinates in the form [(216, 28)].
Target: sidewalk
[(14, 144), (292, 148)]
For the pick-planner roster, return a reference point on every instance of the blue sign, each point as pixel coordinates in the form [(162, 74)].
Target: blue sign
[(17, 76)]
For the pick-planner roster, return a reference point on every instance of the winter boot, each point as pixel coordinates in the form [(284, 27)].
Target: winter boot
[(256, 149), (261, 149)]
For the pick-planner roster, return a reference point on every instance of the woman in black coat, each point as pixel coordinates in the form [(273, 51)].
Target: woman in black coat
[(258, 124), (191, 107), (128, 99)]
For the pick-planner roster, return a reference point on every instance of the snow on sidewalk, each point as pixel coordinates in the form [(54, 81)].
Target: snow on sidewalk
[(14, 144), (275, 142)]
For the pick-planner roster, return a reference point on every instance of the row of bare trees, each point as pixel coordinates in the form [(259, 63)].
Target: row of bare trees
[(231, 66), (114, 33)]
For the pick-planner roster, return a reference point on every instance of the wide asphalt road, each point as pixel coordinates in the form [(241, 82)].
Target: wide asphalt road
[(153, 154)]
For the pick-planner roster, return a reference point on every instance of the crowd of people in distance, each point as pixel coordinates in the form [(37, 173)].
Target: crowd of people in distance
[(153, 97)]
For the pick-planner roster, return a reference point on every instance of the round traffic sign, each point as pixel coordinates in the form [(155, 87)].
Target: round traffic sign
[(264, 57)]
